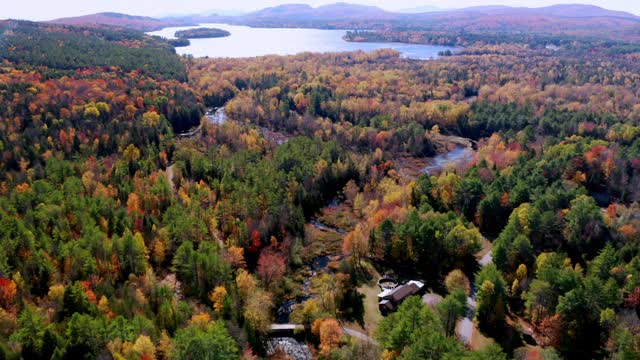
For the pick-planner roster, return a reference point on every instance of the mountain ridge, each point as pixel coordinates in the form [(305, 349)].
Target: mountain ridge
[(573, 19), (339, 8), (135, 22)]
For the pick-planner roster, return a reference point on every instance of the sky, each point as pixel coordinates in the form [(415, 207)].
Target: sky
[(51, 9)]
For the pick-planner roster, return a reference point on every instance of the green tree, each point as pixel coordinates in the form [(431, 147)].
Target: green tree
[(556, 270), (540, 300), (30, 333), (85, 338), (457, 280), (491, 298), (462, 241), (416, 332), (208, 342), (625, 345), (513, 246), (602, 264), (202, 269), (491, 352), (492, 215), (584, 228), (452, 308), (132, 253), (469, 195), (75, 301)]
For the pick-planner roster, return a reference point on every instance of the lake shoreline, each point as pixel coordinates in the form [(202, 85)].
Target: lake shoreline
[(247, 42)]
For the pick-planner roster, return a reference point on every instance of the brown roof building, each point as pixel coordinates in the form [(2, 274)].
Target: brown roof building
[(389, 300)]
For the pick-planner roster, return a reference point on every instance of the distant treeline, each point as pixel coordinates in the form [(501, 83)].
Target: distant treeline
[(202, 33), (64, 47), (465, 38), (179, 42)]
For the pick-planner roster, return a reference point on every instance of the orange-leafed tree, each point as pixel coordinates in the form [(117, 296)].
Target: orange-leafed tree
[(8, 292), (236, 256), (217, 297), (329, 332), (357, 244)]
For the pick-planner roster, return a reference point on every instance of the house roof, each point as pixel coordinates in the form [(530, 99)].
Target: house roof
[(386, 304), (401, 292), (385, 293)]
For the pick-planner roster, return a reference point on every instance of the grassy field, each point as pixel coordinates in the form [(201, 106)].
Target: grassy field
[(372, 316), (479, 341)]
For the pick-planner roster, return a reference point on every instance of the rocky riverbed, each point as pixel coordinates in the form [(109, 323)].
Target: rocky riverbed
[(290, 347)]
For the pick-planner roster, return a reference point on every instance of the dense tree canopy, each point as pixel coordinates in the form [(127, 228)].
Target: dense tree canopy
[(123, 235)]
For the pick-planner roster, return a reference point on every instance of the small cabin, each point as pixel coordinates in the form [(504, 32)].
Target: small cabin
[(390, 299)]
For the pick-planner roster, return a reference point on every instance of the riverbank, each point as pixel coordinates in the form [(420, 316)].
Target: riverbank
[(455, 153), (324, 236)]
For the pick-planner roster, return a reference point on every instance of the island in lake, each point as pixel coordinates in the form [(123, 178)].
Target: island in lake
[(201, 33)]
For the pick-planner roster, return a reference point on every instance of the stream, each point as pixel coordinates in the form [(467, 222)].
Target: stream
[(216, 116), (460, 155), (316, 266), (289, 345)]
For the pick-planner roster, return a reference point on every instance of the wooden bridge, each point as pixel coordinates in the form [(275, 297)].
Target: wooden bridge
[(289, 330), (284, 330)]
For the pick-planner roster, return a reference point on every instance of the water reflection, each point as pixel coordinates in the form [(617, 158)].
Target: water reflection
[(249, 42)]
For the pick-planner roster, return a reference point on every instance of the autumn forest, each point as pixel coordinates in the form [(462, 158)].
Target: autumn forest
[(156, 206)]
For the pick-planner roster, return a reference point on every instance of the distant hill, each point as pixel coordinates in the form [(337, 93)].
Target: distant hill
[(332, 11), (304, 14), (346, 10), (578, 11), (336, 16), (575, 20), (420, 9), (224, 12), (142, 23), (283, 10), (563, 10), (485, 8), (585, 20)]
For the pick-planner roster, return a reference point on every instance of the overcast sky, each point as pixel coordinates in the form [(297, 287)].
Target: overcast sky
[(50, 9)]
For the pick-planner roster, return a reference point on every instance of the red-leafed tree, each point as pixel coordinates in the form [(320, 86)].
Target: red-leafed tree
[(271, 267), (551, 328), (633, 300), (255, 241), (86, 286)]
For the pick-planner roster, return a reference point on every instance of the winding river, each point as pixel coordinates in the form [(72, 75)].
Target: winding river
[(460, 155)]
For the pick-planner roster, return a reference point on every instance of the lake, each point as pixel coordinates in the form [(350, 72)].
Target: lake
[(249, 42)]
